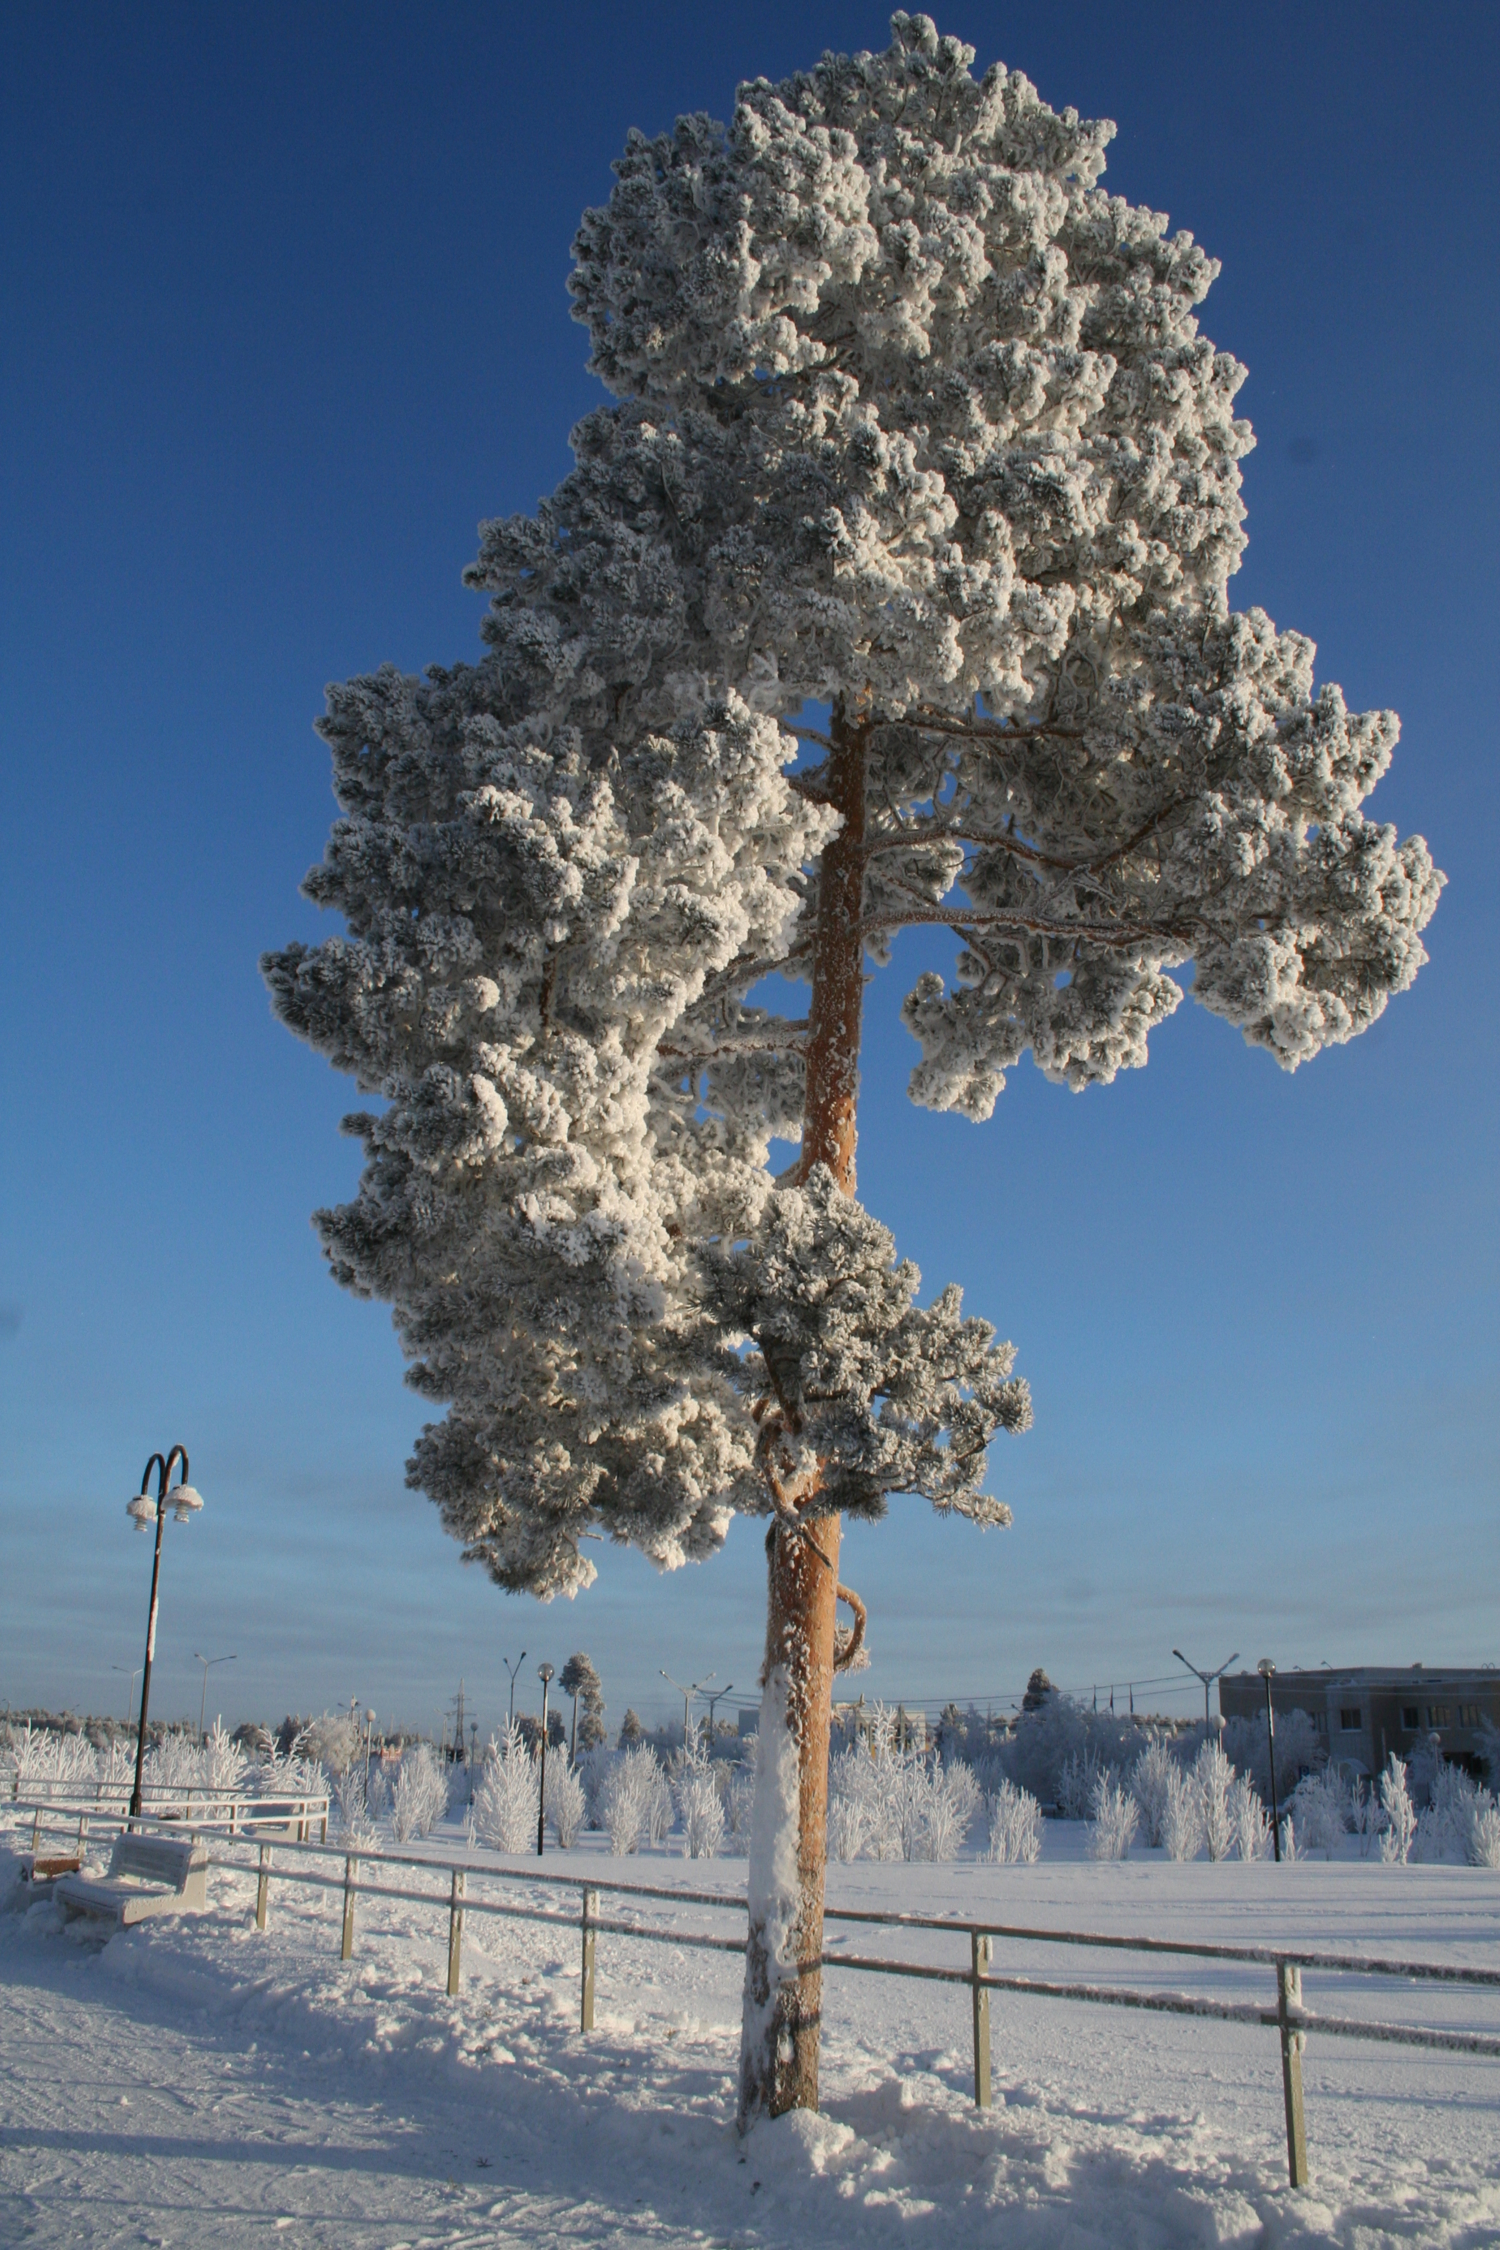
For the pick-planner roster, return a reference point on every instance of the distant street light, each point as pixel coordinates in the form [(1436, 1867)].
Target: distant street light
[(1207, 1678), (132, 1669), (1267, 1671), (513, 1669), (206, 1662), (143, 1512), (687, 1693), (717, 1697), (544, 1674)]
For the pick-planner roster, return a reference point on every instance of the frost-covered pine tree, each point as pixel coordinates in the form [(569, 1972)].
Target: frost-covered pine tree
[(579, 1679), (910, 421)]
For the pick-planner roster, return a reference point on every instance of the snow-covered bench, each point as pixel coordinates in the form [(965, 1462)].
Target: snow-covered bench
[(147, 1875)]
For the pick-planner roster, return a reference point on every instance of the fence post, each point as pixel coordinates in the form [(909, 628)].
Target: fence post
[(263, 1886), (83, 1829), (455, 1928), (36, 1829), (351, 1877), (981, 1952), (590, 1940), (1288, 2005)]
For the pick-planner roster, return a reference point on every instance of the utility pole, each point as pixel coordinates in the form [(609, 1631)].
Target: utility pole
[(717, 1697), (1207, 1678), (513, 1669)]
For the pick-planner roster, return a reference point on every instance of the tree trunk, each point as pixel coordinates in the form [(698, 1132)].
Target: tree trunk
[(788, 1846)]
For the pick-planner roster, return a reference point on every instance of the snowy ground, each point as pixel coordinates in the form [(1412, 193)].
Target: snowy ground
[(193, 2082)]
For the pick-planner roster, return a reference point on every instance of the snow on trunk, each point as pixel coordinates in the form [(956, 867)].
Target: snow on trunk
[(789, 1829)]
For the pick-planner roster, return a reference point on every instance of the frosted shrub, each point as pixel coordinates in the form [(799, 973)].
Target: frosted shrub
[(739, 1800), (222, 1764), (354, 1824), (1484, 1840), (172, 1767), (1290, 1848), (849, 1803), (699, 1808), (1400, 1815), (421, 1794), (1075, 1782), (625, 1798), (1182, 1817), (1320, 1803), (1015, 1826), (1115, 1816), (1299, 1749), (377, 1791), (1149, 1778), (594, 1770), (1248, 1824), (1213, 1777), (1450, 1827), (565, 1801), (951, 1800), (1365, 1816), (659, 1806), (505, 1803)]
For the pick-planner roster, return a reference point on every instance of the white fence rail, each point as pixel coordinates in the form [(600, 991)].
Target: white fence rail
[(1287, 2014)]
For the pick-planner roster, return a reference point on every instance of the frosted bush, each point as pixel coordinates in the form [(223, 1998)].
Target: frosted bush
[(1320, 1803), (1248, 1824), (849, 1803), (1075, 1782), (594, 1770), (952, 1798), (1365, 1816), (353, 1822), (895, 1801), (222, 1764), (1015, 1826), (1400, 1815), (1182, 1817), (377, 1791), (1213, 1777), (1149, 1778), (1114, 1818), (421, 1797), (626, 1797), (332, 1741), (1453, 1826), (1300, 1749), (659, 1806), (505, 1803), (699, 1808), (1484, 1841), (1290, 1848), (565, 1801), (739, 1802)]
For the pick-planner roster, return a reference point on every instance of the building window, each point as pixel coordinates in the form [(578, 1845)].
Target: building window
[(1411, 1716), (1349, 1721), (1468, 1714), (1439, 1715)]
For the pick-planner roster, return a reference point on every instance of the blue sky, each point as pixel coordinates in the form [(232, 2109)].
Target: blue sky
[(284, 316)]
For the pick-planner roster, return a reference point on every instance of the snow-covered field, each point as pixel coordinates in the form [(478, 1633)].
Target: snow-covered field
[(194, 2082)]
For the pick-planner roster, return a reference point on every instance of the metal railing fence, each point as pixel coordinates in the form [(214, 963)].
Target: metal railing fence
[(1288, 2015)]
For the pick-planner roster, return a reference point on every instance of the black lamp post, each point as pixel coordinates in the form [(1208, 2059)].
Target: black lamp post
[(1267, 1671), (544, 1674), (144, 1511)]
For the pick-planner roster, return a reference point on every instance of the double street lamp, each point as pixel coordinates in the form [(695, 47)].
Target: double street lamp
[(143, 1511)]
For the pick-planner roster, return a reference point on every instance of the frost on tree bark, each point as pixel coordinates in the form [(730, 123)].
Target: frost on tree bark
[(911, 421), (783, 1956)]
